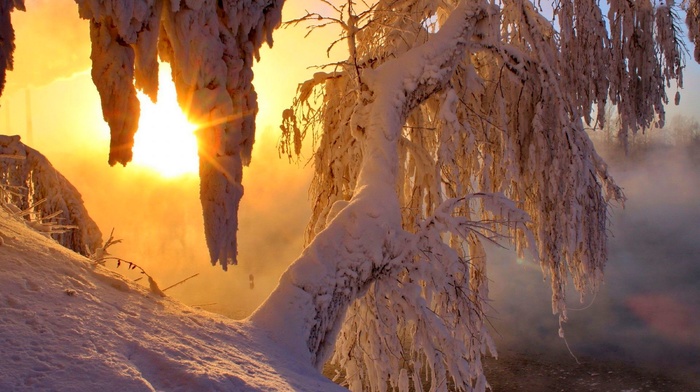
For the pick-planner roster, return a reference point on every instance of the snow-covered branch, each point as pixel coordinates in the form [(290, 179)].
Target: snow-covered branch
[(364, 241), (506, 119), (467, 121), (692, 20)]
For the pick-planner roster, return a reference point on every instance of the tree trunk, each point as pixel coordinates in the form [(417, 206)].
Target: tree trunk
[(365, 239)]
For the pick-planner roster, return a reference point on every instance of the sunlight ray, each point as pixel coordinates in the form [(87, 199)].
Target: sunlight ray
[(166, 140)]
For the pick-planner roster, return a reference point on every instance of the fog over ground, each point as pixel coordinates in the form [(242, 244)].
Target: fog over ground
[(160, 223), (646, 311), (51, 102)]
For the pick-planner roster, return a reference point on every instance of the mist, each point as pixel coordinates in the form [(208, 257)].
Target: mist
[(645, 313), (44, 51), (160, 224), (159, 219)]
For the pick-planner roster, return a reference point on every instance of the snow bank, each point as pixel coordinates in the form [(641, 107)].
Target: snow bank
[(70, 326)]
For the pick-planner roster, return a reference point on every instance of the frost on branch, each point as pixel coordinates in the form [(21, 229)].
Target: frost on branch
[(32, 188), (504, 136), (646, 57), (415, 289), (210, 45), (122, 32)]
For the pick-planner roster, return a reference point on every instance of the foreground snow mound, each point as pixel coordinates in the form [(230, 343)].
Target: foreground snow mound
[(70, 326)]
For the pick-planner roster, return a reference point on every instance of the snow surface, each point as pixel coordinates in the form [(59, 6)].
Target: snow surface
[(68, 325)]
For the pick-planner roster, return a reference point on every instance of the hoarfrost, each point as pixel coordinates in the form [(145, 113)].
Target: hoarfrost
[(473, 133), (494, 150), (49, 203), (210, 45)]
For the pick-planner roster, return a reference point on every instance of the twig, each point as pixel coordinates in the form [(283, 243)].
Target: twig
[(180, 282), (209, 304)]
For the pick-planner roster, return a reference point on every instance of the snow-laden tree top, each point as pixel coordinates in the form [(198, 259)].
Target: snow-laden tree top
[(491, 140)]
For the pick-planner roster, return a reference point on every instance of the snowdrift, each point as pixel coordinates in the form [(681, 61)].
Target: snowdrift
[(69, 325)]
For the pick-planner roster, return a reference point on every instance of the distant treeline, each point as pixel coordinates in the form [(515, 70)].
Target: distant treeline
[(681, 132)]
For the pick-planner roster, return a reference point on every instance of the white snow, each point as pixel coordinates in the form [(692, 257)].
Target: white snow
[(68, 325)]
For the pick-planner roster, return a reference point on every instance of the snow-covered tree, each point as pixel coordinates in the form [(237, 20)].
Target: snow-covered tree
[(451, 124), (31, 188), (469, 134), (685, 130)]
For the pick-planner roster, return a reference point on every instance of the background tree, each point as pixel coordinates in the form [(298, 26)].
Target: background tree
[(685, 130), (682, 131), (451, 124)]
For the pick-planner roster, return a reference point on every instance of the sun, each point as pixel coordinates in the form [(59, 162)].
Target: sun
[(165, 140)]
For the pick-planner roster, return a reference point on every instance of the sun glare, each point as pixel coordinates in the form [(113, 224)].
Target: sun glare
[(165, 141)]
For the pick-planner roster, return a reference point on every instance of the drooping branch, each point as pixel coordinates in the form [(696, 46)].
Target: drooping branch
[(692, 20), (364, 239), (124, 36), (212, 70)]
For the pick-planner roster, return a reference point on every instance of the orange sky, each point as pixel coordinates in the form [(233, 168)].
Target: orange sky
[(159, 218), (47, 56)]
